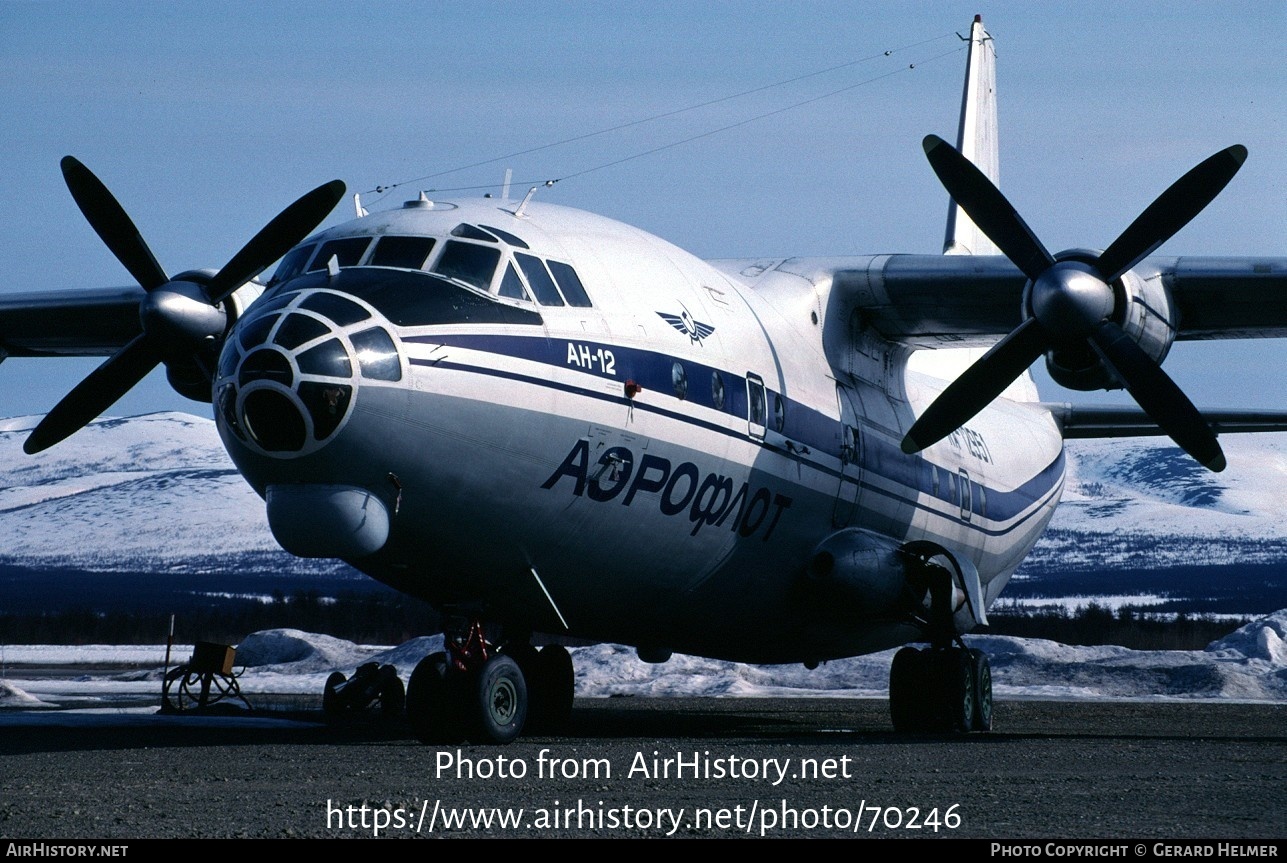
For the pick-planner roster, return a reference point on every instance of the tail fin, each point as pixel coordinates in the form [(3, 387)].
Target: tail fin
[(976, 139)]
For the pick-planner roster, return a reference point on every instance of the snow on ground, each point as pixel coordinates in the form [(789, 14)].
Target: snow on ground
[(1248, 665)]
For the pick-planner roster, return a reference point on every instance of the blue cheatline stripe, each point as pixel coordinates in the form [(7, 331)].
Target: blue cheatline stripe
[(880, 457)]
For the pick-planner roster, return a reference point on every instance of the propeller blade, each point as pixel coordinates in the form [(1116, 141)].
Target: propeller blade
[(989, 209), (95, 394), (112, 224), (1172, 210), (977, 386), (1158, 395), (276, 239)]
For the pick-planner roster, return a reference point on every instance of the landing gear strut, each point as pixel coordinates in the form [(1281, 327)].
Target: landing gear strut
[(482, 693)]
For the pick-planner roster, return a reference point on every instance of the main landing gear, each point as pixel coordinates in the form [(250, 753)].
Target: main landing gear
[(940, 689), (945, 687), (482, 693)]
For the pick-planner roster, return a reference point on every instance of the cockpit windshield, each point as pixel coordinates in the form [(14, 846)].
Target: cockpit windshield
[(474, 259), (469, 263)]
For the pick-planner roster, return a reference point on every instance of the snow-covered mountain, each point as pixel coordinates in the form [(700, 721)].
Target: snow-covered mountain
[(1142, 503), (154, 493), (158, 492)]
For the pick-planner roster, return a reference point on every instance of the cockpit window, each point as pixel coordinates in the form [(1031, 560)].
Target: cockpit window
[(469, 232), (299, 329), (570, 284), (335, 307), (507, 237), (408, 253), (512, 286), (377, 355), (293, 264), (469, 263), (347, 251), (539, 278)]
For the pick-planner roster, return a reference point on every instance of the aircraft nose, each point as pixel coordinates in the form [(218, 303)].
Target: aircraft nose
[(289, 374)]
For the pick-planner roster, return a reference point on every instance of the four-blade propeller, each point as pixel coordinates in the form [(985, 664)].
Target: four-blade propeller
[(177, 316), (1071, 302)]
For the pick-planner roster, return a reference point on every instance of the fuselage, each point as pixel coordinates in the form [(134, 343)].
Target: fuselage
[(578, 427)]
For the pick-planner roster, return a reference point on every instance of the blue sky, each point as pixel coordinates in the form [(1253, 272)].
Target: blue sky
[(206, 119)]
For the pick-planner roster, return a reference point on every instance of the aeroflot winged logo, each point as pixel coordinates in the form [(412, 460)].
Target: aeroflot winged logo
[(695, 330)]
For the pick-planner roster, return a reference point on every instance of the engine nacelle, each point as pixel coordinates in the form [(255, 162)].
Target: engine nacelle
[(864, 570), (188, 370), (1145, 311)]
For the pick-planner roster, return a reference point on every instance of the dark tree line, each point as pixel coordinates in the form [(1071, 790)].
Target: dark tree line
[(365, 618), (1094, 624)]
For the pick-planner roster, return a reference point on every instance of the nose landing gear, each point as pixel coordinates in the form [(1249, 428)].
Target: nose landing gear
[(482, 693)]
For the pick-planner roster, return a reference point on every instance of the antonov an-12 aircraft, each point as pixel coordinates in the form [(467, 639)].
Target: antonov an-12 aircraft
[(544, 421)]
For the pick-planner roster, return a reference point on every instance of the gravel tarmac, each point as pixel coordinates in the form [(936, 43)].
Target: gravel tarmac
[(636, 767)]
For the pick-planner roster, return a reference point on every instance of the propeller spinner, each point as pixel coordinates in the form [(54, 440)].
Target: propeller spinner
[(1071, 302), (177, 316)]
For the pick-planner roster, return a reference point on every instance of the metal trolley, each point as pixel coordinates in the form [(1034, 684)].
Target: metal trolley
[(206, 679)]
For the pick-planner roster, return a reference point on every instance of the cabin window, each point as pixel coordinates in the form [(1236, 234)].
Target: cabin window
[(512, 286), (570, 283), (717, 390), (779, 413), (347, 251), (293, 264), (408, 253), (469, 263), (983, 501), (539, 278), (679, 380), (755, 390)]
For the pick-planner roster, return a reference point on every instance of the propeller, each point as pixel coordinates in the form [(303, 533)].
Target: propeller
[(177, 316), (1071, 302)]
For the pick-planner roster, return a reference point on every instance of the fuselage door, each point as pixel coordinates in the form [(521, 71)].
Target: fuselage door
[(850, 459), (757, 406)]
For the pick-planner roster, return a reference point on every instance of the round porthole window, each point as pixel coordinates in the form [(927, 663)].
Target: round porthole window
[(679, 379)]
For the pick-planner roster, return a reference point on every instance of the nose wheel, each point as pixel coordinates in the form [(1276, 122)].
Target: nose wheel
[(474, 691)]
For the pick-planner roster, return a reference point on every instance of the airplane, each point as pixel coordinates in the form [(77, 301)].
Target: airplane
[(547, 422)]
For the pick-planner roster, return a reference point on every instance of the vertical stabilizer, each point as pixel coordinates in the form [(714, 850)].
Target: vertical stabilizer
[(976, 139)]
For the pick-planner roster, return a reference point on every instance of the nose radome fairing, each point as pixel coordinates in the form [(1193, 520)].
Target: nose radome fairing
[(290, 372)]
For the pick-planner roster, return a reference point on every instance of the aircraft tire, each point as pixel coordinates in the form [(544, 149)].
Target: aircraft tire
[(497, 701), (558, 685), (960, 689), (433, 702), (907, 678), (983, 685), (393, 695), (330, 697)]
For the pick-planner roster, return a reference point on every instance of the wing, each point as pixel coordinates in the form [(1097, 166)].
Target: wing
[(1110, 422), (89, 323), (929, 301)]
